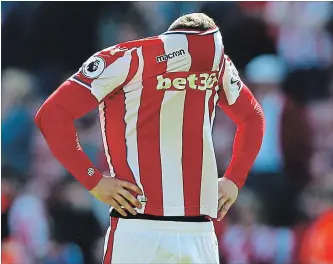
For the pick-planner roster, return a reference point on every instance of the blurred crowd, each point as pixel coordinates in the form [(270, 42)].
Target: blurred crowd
[(283, 51)]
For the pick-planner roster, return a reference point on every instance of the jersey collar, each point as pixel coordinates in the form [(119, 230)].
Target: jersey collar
[(189, 31)]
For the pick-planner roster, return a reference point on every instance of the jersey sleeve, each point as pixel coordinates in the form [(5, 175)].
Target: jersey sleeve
[(229, 80), (107, 71)]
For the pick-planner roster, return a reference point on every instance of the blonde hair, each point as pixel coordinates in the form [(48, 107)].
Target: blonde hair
[(199, 21)]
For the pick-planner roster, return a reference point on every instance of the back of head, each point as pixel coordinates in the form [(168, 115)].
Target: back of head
[(196, 21)]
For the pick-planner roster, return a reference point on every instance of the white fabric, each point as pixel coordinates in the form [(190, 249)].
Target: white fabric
[(133, 91), (172, 110), (208, 199), (113, 76), (173, 43), (146, 241), (174, 82), (231, 88)]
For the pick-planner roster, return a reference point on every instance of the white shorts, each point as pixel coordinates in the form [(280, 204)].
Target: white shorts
[(147, 241)]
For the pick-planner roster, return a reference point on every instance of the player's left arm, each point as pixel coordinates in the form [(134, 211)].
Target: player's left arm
[(239, 104), (98, 78)]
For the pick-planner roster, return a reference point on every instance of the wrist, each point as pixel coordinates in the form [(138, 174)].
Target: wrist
[(91, 179), (238, 185)]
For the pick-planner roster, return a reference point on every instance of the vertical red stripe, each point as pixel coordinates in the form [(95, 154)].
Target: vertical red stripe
[(115, 126), (115, 131), (148, 128), (202, 51), (108, 254)]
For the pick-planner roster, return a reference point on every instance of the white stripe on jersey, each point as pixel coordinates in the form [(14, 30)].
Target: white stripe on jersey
[(171, 127), (112, 76), (106, 148), (174, 43), (218, 51), (132, 104), (209, 167)]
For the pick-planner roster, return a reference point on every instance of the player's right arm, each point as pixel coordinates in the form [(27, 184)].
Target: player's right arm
[(239, 104), (73, 99)]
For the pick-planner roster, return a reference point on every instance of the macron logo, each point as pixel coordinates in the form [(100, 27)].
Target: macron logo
[(170, 55)]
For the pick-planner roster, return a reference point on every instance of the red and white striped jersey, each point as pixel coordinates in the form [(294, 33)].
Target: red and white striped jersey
[(157, 106)]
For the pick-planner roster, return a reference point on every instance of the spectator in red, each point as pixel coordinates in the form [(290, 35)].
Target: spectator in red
[(317, 243)]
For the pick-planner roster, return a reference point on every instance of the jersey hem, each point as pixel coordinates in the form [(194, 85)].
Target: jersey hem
[(191, 211)]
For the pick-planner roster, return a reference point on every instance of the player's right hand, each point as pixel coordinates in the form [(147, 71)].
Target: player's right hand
[(116, 193)]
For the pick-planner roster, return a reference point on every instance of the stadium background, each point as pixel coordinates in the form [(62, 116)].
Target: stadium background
[(284, 52)]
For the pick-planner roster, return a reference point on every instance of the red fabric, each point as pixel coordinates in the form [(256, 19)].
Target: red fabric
[(55, 119), (71, 100), (114, 131), (247, 114), (194, 111), (317, 243), (148, 128), (11, 252)]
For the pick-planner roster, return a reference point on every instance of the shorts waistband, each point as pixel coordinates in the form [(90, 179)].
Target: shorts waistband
[(189, 219)]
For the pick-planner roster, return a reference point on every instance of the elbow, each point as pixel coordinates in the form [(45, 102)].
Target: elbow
[(259, 117), (44, 113), (257, 122), (254, 123), (38, 117), (255, 118), (49, 115)]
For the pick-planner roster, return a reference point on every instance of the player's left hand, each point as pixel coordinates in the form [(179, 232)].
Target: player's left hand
[(228, 192)]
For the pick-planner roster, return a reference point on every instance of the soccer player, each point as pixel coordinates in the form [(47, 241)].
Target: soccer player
[(157, 98)]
